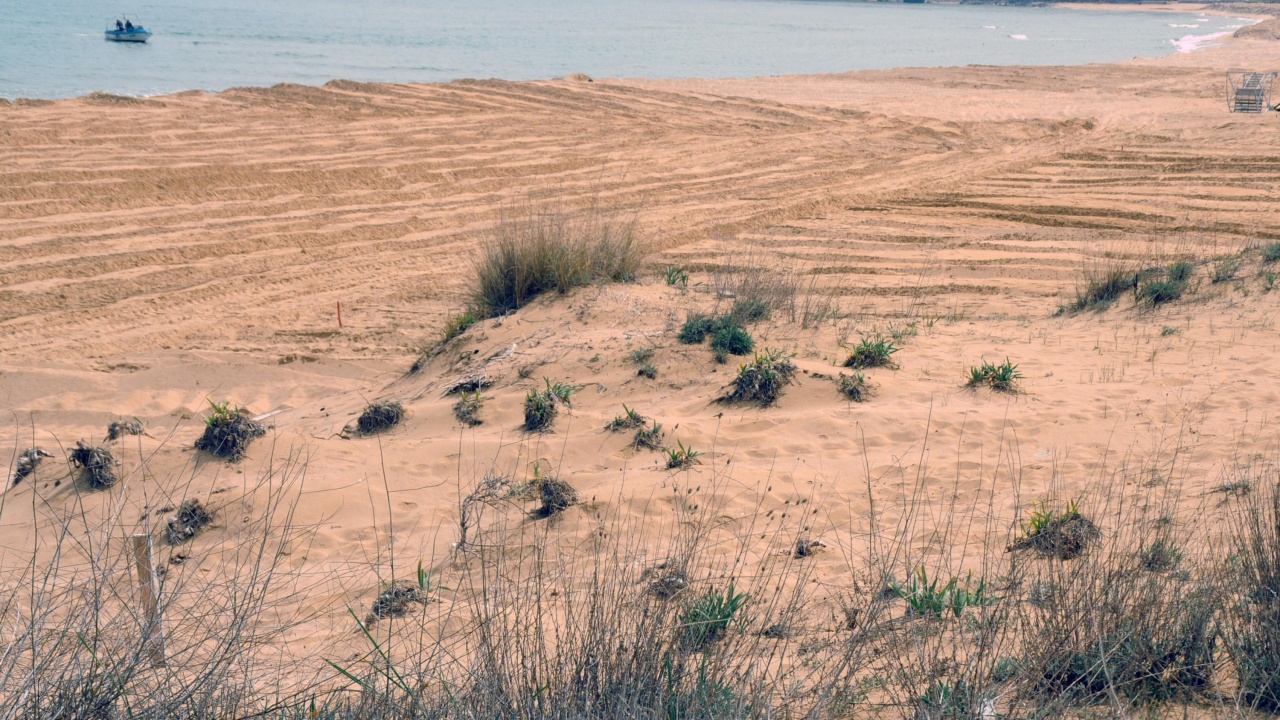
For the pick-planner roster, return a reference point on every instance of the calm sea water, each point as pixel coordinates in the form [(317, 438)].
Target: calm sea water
[(55, 49)]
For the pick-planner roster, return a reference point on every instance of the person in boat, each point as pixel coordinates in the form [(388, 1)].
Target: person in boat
[(128, 25), (119, 26)]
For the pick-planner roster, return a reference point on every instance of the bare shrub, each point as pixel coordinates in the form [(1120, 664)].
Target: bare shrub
[(1251, 622), (1107, 629), (817, 304), (74, 643)]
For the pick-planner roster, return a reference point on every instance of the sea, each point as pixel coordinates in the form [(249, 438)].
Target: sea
[(55, 48)]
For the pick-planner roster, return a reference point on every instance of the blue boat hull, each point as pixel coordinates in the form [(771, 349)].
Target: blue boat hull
[(136, 35)]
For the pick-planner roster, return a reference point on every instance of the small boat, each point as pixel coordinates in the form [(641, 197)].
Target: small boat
[(126, 31)]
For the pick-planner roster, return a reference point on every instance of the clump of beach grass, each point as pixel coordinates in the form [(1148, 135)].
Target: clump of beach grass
[(1166, 286), (854, 387), (1064, 534), (1104, 283), (544, 248), (763, 379), (541, 406), (872, 351), (1001, 378)]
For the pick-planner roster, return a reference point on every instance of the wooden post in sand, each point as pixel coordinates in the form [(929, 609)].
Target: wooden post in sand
[(148, 597)]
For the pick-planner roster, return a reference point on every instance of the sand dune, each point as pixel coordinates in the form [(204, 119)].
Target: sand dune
[(159, 253)]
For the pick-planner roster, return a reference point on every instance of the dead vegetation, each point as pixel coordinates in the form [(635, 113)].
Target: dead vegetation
[(189, 521), (554, 495), (97, 465), (379, 416), (395, 600), (119, 428), (27, 462)]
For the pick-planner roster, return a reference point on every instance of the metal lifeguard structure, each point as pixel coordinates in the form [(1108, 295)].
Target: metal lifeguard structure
[(1249, 91)]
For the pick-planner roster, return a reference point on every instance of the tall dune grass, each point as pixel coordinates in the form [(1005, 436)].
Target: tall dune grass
[(535, 249)]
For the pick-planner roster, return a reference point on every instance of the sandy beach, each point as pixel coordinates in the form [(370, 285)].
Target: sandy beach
[(158, 254)]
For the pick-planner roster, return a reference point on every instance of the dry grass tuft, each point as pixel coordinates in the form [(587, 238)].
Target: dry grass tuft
[(761, 286), (541, 248)]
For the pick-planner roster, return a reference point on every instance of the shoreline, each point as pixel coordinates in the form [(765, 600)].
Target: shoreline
[(1188, 44)]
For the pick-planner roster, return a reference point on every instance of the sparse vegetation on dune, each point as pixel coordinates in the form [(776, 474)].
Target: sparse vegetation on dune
[(649, 438), (1130, 613), (1167, 285), (854, 387), (1271, 252), (728, 336), (627, 420), (467, 409), (458, 324), (681, 457)]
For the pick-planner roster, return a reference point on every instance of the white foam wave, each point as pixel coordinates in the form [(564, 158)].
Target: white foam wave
[(1018, 37), (1183, 26), (1192, 43)]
